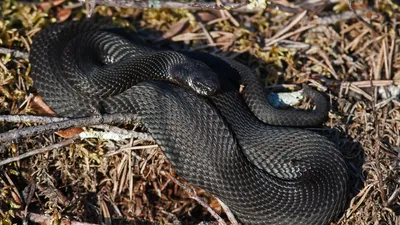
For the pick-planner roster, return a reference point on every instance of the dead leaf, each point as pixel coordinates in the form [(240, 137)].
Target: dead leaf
[(40, 107), (175, 29), (69, 133), (205, 17), (225, 37)]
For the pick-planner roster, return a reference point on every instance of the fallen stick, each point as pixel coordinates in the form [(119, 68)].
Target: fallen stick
[(251, 7), (47, 220), (65, 124), (39, 151), (192, 194)]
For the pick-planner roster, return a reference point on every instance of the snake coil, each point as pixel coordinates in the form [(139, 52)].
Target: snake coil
[(235, 146)]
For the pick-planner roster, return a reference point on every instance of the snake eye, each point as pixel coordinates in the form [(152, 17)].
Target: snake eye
[(196, 76), (203, 87), (206, 82)]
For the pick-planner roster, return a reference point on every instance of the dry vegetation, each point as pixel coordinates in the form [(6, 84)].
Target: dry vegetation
[(358, 62)]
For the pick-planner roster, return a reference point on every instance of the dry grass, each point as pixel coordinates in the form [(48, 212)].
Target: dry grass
[(329, 47)]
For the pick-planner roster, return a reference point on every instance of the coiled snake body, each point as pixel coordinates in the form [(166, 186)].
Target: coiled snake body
[(265, 173)]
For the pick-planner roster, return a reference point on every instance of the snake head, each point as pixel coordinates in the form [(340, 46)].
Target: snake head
[(196, 76)]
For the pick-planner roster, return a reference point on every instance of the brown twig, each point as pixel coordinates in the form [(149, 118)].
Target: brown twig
[(335, 18), (236, 7), (47, 220), (130, 149), (193, 195), (359, 18), (393, 48), (372, 83), (39, 151), (299, 30), (284, 8), (294, 22)]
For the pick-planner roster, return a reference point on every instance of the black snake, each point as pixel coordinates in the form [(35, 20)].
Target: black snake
[(266, 172)]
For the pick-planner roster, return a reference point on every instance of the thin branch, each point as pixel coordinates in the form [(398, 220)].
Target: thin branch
[(335, 18), (130, 149), (193, 195), (68, 142), (228, 212), (30, 119), (372, 83), (116, 136), (158, 4), (79, 122), (40, 151), (294, 22), (301, 29), (171, 5), (130, 133), (47, 220), (14, 53), (332, 19), (284, 8), (359, 18)]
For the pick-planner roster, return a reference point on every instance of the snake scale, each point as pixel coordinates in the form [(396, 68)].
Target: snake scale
[(253, 157)]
